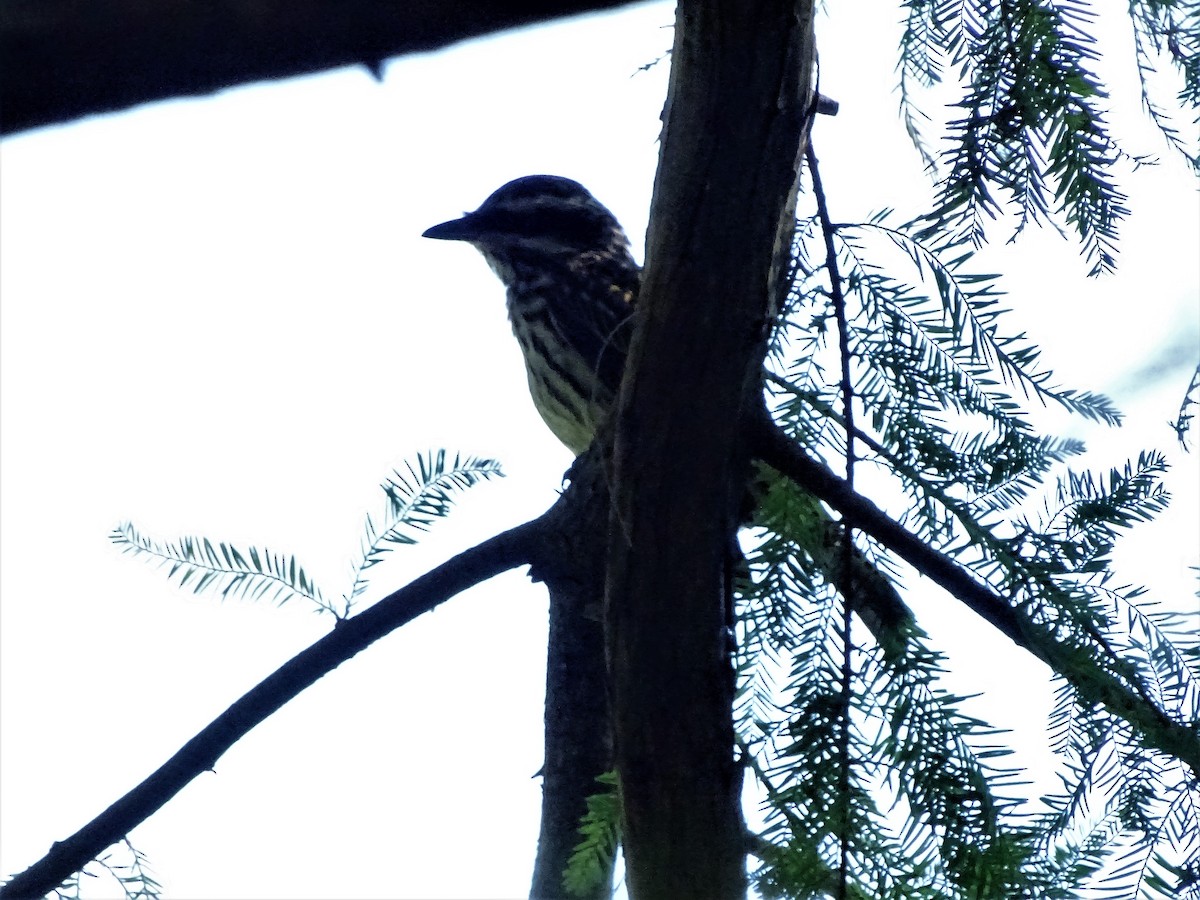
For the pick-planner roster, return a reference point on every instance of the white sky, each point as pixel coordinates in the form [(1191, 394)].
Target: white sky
[(219, 318)]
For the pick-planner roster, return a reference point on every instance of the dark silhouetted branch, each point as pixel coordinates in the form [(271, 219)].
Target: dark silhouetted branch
[(578, 727), (495, 555), (64, 59)]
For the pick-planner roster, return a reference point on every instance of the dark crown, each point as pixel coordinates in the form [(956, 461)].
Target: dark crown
[(540, 215)]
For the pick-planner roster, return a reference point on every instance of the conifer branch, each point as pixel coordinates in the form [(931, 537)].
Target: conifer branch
[(1095, 685)]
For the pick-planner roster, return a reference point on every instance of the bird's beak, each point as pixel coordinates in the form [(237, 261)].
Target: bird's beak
[(464, 229)]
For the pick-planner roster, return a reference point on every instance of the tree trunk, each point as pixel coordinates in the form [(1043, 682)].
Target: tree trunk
[(719, 228)]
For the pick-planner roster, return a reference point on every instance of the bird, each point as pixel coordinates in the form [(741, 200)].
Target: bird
[(571, 286), (571, 283)]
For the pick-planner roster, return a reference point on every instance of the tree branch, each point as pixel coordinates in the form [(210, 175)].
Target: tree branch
[(497, 554), (1158, 730), (64, 59), (578, 726)]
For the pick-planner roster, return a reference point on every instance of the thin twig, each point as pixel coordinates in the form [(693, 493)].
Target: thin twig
[(838, 299)]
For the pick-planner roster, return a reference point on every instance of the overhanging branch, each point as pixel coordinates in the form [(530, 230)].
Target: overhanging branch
[(64, 59)]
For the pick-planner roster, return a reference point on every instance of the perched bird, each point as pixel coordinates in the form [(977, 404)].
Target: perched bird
[(571, 285)]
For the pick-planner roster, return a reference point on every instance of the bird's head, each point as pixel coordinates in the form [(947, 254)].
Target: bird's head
[(538, 221)]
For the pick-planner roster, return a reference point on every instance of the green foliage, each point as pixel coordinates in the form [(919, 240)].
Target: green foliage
[(1030, 126), (921, 807), (1168, 31), (925, 796), (414, 502), (221, 568), (600, 831), (415, 499), (1115, 793)]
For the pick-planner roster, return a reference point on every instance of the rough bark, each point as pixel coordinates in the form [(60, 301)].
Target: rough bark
[(722, 212), (64, 59)]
